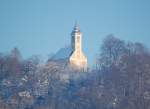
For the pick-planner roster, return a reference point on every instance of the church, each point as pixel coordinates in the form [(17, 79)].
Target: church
[(73, 55), (77, 59)]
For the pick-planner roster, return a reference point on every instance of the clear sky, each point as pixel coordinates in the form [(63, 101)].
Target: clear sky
[(44, 26)]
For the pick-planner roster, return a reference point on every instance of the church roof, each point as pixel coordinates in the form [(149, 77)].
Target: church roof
[(63, 53)]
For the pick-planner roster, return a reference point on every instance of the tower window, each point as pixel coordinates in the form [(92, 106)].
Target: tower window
[(78, 39)]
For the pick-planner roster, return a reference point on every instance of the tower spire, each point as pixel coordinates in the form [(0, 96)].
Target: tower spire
[(76, 27)]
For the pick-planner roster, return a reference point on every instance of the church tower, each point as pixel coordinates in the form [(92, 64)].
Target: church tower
[(77, 58)]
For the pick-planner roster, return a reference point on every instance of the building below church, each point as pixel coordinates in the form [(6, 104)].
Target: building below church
[(77, 59)]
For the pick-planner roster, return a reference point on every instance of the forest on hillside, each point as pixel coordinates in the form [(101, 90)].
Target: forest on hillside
[(120, 79)]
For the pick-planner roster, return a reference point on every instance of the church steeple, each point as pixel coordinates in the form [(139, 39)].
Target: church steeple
[(76, 38), (77, 58), (76, 27)]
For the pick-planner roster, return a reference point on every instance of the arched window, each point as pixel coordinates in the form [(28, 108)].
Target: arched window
[(78, 39)]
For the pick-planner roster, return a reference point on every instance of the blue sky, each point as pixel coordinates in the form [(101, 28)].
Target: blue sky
[(44, 26)]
